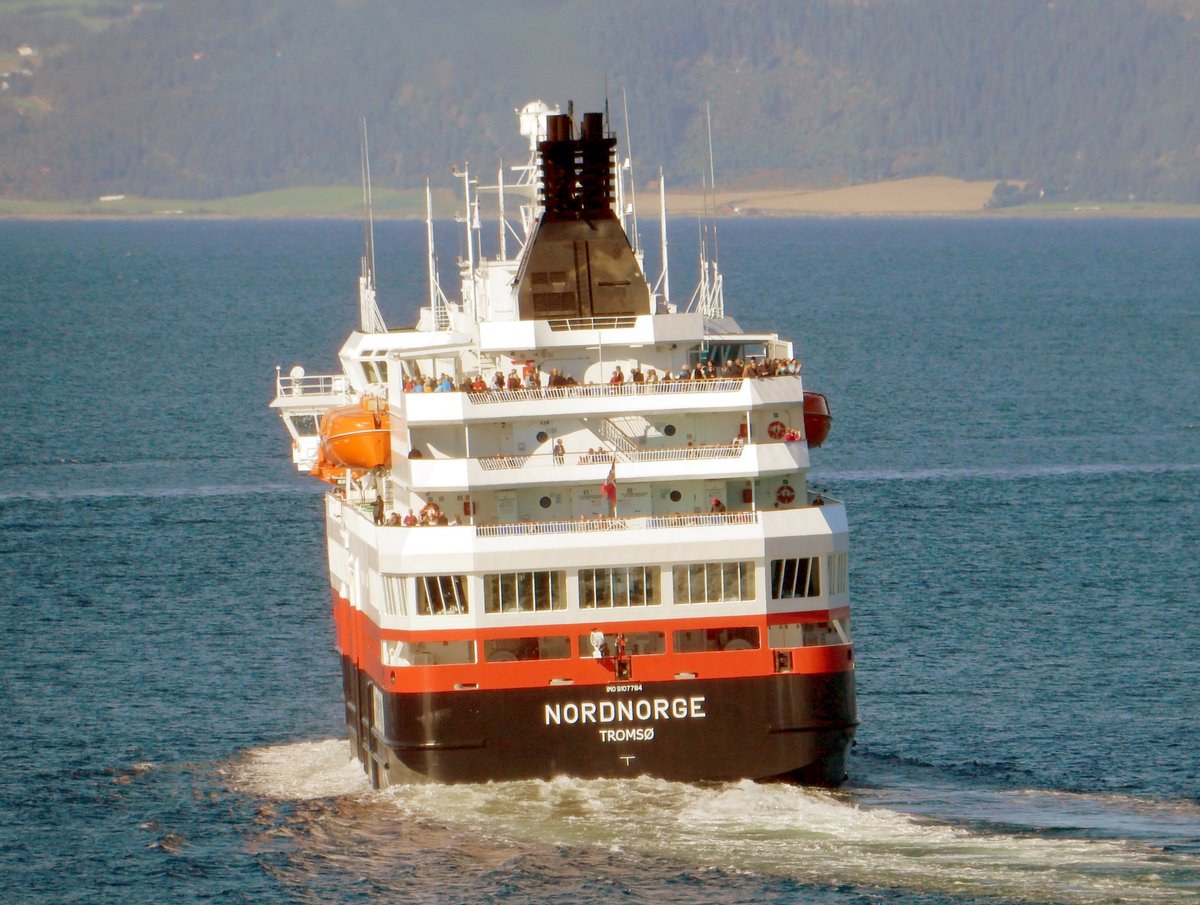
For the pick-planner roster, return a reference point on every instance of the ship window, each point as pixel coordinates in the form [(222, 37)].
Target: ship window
[(701, 640), (637, 644), (306, 425), (427, 653), (439, 595), (714, 582), (622, 586), (796, 577), (524, 592), (839, 569), (809, 634), (676, 496), (508, 650), (395, 600)]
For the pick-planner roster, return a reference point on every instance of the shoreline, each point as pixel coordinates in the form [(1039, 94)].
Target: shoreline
[(922, 196)]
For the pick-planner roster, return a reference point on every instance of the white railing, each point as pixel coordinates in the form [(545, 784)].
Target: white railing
[(571, 324), (672, 454), (311, 385), (583, 525), (606, 391)]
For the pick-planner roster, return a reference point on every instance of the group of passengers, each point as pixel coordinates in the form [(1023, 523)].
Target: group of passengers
[(532, 377), (431, 514), (709, 370)]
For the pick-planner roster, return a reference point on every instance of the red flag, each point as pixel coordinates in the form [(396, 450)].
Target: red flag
[(608, 489)]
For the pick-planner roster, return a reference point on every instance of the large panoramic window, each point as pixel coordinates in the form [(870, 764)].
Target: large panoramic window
[(622, 586), (542, 647), (690, 641), (395, 598), (524, 592), (809, 634), (439, 595), (796, 577), (714, 582), (427, 653), (839, 573)]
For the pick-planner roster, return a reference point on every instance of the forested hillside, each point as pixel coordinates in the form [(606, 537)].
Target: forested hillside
[(1087, 99)]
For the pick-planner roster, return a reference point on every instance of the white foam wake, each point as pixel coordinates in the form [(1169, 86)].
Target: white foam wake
[(301, 771), (811, 836)]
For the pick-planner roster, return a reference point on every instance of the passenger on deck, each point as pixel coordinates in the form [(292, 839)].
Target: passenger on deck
[(652, 377), (410, 520), (514, 382), (717, 505), (618, 377), (478, 385), (636, 375), (498, 380)]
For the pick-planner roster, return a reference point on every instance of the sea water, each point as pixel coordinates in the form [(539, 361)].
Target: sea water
[(1017, 436)]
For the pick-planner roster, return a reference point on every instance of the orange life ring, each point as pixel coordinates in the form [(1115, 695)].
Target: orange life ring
[(785, 494), (776, 429)]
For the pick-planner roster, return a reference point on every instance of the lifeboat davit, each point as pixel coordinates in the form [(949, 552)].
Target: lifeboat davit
[(817, 419), (356, 436)]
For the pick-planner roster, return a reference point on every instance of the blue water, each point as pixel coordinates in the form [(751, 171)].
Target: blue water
[(1017, 434)]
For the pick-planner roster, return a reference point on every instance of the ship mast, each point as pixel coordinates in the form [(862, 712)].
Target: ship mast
[(369, 317)]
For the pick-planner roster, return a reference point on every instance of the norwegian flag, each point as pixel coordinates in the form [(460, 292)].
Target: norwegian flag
[(608, 489)]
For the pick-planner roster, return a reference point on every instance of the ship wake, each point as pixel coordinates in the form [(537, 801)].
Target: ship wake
[(642, 828)]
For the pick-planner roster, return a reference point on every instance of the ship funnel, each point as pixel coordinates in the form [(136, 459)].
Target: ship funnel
[(579, 262)]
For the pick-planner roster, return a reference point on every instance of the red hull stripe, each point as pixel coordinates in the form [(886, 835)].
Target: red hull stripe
[(360, 639)]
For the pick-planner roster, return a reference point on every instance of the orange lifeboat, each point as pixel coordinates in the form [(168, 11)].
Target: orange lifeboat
[(817, 419), (355, 436)]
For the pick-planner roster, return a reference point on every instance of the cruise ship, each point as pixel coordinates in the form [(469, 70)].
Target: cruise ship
[(569, 525)]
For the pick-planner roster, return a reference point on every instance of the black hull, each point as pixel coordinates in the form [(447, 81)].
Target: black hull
[(794, 727)]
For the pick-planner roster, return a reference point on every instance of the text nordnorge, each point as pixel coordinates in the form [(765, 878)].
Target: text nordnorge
[(626, 710)]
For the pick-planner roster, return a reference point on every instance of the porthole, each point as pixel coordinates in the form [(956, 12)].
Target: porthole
[(676, 496), (542, 436), (544, 502), (669, 430)]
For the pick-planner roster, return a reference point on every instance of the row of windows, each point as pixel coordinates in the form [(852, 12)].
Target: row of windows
[(620, 586), (558, 647)]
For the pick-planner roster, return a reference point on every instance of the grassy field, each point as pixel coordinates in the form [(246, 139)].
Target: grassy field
[(299, 203), (930, 196)]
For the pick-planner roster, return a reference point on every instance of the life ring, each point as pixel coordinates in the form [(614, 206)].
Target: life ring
[(776, 429), (785, 494)]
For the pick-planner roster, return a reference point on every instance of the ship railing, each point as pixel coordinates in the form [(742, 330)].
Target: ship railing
[(617, 523), (311, 385), (672, 454), (613, 322), (608, 391)]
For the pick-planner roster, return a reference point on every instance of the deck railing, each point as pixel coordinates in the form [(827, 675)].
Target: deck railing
[(608, 391), (617, 523), (605, 457), (311, 385)]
